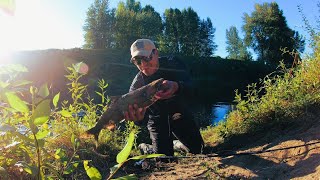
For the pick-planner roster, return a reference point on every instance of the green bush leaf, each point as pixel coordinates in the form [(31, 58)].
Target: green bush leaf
[(146, 156), (22, 137), (41, 142), (44, 91), (114, 168), (56, 99), (4, 84), (42, 112), (31, 169), (42, 134), (71, 168), (20, 83), (58, 154), (16, 103), (66, 113), (125, 152), (128, 177), (92, 172), (12, 68), (72, 139), (32, 126)]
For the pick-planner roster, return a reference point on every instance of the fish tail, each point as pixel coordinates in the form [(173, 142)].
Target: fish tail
[(94, 131)]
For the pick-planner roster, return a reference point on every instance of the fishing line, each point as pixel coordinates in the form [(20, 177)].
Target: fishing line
[(235, 153)]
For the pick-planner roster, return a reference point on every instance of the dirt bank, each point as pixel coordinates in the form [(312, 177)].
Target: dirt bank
[(291, 151)]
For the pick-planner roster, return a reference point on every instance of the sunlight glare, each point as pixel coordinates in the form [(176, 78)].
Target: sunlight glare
[(33, 26)]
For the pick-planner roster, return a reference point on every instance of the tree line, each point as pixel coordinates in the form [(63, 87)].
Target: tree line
[(183, 32)]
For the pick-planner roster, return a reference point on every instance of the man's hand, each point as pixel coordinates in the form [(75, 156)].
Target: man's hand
[(134, 113), (170, 86)]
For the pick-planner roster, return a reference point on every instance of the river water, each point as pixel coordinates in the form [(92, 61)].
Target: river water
[(211, 114)]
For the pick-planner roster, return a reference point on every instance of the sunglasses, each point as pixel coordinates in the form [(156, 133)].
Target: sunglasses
[(137, 60)]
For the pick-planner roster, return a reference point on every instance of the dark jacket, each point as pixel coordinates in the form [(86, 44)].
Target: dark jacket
[(170, 68)]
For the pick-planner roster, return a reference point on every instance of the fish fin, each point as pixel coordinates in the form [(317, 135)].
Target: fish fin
[(114, 99), (121, 121), (94, 131), (111, 125)]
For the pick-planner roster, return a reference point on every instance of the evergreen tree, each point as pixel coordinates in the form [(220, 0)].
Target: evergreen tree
[(206, 35), (99, 26), (266, 31), (235, 46)]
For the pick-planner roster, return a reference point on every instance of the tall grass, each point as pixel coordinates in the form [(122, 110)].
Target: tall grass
[(278, 98)]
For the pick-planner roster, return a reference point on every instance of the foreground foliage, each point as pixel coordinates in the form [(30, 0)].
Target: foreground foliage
[(42, 135)]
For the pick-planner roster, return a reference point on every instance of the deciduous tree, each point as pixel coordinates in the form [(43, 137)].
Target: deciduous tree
[(99, 26), (134, 22), (267, 32)]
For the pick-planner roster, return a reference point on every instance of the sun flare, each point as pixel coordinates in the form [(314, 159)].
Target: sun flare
[(32, 26)]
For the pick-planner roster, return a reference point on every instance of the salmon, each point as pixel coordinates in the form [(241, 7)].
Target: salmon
[(143, 97)]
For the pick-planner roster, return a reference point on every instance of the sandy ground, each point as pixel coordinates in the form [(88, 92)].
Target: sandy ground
[(288, 152)]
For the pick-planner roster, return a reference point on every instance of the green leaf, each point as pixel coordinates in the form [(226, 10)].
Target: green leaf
[(16, 103), (20, 83), (22, 137), (128, 177), (12, 68), (92, 172), (41, 142), (31, 169), (42, 112), (44, 91), (59, 154), (32, 90), (66, 113), (71, 168), (99, 93), (4, 84), (52, 168), (125, 152), (72, 138), (56, 99), (33, 127), (114, 168), (146, 156), (42, 134)]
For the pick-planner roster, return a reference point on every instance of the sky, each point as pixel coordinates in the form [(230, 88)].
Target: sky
[(58, 24)]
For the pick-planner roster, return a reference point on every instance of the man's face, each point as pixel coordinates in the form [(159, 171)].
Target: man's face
[(147, 65)]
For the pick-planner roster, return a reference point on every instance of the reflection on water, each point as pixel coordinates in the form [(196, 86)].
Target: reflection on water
[(220, 112), (211, 114)]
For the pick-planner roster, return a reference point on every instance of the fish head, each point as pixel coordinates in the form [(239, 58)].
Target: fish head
[(154, 87)]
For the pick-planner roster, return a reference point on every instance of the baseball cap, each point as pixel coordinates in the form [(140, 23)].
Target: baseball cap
[(142, 47)]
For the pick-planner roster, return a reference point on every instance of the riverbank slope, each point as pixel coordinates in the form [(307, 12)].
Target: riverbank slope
[(279, 152)]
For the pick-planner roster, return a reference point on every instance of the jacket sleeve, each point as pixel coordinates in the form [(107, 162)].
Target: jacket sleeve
[(138, 82)]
